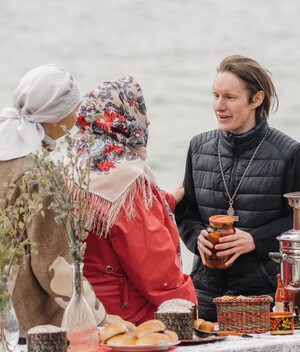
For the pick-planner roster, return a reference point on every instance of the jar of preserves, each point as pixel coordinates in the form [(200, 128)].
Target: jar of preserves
[(219, 226)]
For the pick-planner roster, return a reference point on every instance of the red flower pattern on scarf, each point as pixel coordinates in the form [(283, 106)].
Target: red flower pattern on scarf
[(81, 122), (105, 166), (106, 122), (113, 148), (116, 114)]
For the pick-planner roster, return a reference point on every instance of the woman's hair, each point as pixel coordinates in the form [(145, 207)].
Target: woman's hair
[(256, 78)]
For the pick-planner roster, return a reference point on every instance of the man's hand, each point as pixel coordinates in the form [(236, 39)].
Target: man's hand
[(239, 243), (204, 245)]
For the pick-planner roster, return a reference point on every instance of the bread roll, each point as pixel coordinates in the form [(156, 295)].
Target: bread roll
[(207, 326), (172, 335), (121, 340), (112, 330), (197, 323), (148, 327), (155, 338)]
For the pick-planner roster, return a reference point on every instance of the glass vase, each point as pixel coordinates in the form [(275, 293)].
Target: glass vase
[(9, 326), (78, 319)]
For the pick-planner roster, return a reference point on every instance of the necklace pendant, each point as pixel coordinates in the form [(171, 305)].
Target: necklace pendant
[(230, 212)]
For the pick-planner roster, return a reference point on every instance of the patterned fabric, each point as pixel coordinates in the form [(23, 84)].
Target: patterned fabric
[(116, 113)]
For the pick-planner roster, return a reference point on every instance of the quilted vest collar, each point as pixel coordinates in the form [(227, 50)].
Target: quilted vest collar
[(245, 141)]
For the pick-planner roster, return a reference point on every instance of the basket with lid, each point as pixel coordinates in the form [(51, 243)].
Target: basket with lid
[(248, 314)]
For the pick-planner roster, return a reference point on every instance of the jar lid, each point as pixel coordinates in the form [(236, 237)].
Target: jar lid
[(221, 219), (281, 314)]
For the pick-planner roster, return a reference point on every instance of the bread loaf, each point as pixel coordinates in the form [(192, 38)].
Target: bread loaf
[(112, 330), (155, 338), (149, 326), (151, 332), (172, 335), (198, 322), (121, 340), (206, 326)]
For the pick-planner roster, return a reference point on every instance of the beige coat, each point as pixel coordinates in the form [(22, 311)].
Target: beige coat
[(43, 283)]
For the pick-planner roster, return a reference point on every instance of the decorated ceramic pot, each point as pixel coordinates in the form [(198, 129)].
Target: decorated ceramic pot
[(281, 323)]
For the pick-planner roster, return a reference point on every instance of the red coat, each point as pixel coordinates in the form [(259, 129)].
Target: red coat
[(136, 267)]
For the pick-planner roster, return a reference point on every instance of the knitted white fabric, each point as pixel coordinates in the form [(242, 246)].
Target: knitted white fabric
[(47, 93)]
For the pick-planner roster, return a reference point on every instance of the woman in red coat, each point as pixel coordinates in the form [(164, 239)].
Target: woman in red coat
[(132, 256)]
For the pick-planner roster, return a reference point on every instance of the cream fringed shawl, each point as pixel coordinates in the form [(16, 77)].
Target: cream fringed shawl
[(106, 211)]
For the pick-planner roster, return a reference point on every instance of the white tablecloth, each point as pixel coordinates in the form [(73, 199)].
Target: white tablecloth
[(259, 343)]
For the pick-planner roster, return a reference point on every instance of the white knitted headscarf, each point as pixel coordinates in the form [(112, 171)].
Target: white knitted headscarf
[(47, 93)]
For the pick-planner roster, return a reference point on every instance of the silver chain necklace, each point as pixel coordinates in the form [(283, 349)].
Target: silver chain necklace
[(230, 210)]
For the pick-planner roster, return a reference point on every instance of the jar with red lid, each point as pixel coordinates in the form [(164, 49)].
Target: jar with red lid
[(219, 226)]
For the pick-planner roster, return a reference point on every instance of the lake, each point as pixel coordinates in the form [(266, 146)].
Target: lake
[(172, 47)]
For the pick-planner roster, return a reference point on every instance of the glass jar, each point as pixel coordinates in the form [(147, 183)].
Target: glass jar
[(219, 226)]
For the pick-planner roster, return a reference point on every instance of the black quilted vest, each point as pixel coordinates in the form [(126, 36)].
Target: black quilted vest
[(259, 197), (258, 201)]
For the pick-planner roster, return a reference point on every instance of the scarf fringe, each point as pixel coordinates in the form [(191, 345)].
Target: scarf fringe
[(105, 213)]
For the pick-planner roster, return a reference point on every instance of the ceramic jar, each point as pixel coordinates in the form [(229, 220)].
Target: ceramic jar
[(281, 323)]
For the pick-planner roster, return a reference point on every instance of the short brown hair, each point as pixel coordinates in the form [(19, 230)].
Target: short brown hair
[(256, 78)]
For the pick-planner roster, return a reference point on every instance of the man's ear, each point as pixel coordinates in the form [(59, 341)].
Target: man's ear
[(258, 98)]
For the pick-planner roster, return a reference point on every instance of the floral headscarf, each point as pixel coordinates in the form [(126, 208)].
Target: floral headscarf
[(116, 113)]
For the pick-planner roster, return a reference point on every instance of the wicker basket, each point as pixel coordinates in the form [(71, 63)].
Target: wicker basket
[(244, 314)]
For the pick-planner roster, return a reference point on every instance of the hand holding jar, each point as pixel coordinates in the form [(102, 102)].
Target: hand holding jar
[(221, 244), (219, 226)]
